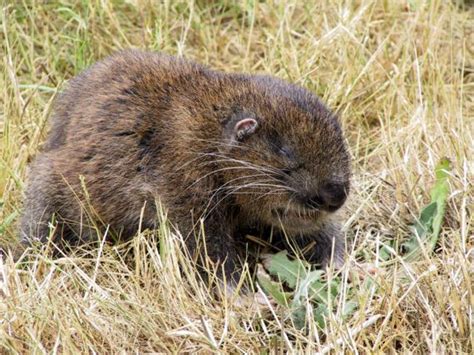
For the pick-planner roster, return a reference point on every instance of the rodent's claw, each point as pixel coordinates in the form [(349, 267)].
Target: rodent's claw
[(256, 301), (364, 271), (266, 260)]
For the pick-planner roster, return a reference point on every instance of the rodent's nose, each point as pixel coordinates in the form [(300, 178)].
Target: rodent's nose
[(330, 197)]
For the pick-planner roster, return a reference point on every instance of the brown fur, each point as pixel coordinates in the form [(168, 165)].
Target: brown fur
[(141, 127)]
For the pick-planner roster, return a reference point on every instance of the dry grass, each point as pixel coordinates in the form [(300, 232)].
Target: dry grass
[(400, 73)]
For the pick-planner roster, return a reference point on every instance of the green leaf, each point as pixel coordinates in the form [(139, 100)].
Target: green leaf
[(439, 193), (385, 251), (349, 309), (272, 288), (420, 229), (299, 316), (314, 288), (321, 312), (426, 229), (289, 271), (306, 285)]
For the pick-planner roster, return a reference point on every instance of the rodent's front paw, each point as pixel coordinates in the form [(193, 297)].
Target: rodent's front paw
[(254, 300), (266, 260), (363, 271)]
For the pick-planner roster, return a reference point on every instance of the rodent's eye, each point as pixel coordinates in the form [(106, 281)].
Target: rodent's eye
[(284, 151)]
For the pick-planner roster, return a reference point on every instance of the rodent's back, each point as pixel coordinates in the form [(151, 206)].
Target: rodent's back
[(125, 126), (108, 124), (113, 92)]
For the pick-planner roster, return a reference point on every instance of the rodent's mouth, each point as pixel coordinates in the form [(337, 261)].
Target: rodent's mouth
[(296, 213), (296, 219)]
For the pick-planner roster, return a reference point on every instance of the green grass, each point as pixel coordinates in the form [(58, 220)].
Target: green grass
[(401, 76)]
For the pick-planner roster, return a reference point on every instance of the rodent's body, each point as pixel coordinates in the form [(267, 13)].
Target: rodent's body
[(234, 151)]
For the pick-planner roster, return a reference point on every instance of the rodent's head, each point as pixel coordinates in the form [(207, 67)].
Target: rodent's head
[(286, 162)]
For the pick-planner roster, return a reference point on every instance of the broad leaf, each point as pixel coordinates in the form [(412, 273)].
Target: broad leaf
[(427, 227), (289, 271), (272, 288)]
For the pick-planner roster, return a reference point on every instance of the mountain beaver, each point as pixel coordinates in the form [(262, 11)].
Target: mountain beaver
[(234, 152)]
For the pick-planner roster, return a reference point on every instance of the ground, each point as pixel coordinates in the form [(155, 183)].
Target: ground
[(400, 74)]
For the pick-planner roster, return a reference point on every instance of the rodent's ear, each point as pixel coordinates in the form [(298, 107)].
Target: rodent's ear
[(243, 128)]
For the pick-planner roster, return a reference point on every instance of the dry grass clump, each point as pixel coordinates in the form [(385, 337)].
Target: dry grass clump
[(400, 74)]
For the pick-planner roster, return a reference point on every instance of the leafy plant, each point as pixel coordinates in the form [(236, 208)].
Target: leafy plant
[(311, 288), (427, 227), (305, 285)]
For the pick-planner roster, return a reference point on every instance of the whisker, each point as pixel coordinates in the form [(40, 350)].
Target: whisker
[(234, 190), (243, 162), (227, 169)]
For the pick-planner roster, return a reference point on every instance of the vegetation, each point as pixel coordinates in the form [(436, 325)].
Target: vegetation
[(401, 76)]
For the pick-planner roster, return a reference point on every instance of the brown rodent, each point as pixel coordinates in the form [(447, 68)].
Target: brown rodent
[(237, 152)]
